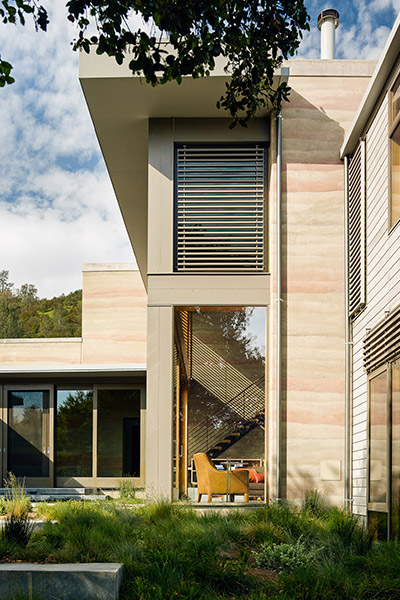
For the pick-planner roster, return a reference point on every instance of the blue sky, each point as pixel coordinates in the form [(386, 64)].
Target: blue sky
[(57, 206)]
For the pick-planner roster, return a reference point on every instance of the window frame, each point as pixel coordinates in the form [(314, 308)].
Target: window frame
[(220, 144), (393, 125), (380, 506)]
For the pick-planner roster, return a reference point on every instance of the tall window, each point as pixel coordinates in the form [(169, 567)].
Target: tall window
[(378, 421), (74, 432), (384, 450), (219, 208), (220, 391), (394, 135)]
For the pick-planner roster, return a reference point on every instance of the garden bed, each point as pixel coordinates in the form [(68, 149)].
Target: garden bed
[(172, 551)]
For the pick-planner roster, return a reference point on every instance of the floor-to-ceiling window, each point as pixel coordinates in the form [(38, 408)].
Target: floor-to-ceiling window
[(118, 433), (221, 355), (74, 432), (384, 450), (28, 443)]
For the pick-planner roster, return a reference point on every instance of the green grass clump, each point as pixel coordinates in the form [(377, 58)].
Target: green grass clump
[(18, 527), (16, 503)]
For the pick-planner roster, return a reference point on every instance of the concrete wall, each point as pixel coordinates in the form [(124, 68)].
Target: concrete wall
[(113, 315), (382, 280), (113, 325), (55, 351), (323, 101)]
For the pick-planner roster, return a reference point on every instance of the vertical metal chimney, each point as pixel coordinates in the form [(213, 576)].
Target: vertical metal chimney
[(328, 20)]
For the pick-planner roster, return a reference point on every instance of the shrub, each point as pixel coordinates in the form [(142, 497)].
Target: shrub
[(287, 557)]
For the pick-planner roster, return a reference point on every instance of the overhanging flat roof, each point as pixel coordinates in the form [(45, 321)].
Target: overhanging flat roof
[(120, 106), (378, 80)]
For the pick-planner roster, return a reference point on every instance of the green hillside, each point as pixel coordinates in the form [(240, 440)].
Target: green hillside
[(24, 315)]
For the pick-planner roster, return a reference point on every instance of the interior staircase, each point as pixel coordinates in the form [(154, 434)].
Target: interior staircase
[(230, 422), (242, 400)]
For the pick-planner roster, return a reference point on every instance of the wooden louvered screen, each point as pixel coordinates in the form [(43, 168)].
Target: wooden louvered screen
[(356, 233), (219, 208), (382, 343)]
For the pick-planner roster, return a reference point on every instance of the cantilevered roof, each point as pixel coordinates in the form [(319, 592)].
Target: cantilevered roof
[(382, 71), (120, 106)]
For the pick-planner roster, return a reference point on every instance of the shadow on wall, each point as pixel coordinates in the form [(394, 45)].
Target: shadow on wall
[(312, 236)]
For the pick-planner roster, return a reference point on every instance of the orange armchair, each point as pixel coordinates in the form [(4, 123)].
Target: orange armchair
[(212, 481)]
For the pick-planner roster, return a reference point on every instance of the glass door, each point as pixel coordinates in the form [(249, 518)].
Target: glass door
[(28, 441)]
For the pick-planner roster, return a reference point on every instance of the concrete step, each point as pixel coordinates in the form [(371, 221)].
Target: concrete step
[(54, 494)]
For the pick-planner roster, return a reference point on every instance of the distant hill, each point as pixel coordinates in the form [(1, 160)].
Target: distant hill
[(24, 315)]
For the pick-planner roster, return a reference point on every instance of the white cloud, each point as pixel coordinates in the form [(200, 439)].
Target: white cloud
[(363, 28), (378, 5), (57, 206)]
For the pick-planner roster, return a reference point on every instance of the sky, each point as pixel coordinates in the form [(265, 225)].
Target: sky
[(57, 206)]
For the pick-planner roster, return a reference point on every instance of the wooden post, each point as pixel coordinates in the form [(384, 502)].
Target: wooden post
[(183, 470)]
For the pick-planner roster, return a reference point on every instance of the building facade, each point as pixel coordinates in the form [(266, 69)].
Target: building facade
[(371, 155), (73, 409), (239, 237)]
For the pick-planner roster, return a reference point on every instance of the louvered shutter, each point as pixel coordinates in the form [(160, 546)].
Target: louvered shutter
[(382, 343), (219, 208), (356, 233)]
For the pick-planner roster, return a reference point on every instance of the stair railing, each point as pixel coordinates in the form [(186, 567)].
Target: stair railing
[(245, 405)]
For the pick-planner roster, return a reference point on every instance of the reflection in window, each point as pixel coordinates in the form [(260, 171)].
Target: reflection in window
[(378, 439), (74, 433), (395, 203), (224, 349), (28, 442), (394, 133), (395, 447), (118, 442)]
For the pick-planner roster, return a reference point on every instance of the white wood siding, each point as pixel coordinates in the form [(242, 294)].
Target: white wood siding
[(383, 289)]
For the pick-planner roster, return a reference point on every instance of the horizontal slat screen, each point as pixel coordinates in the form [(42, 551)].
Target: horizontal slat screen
[(382, 343), (356, 221), (219, 208)]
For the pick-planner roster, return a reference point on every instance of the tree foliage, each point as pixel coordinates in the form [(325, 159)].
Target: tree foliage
[(185, 38), (14, 11), (24, 315)]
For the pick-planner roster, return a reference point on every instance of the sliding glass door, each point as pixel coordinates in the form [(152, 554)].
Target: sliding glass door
[(28, 449), (72, 435)]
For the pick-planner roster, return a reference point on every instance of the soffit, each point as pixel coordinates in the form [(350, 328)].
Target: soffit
[(120, 106)]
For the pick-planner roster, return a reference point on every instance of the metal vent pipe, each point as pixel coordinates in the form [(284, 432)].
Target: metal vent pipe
[(328, 21)]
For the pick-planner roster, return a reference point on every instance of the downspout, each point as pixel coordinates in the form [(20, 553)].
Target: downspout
[(278, 302), (348, 344)]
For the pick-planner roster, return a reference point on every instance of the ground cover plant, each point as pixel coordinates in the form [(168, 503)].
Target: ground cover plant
[(175, 551)]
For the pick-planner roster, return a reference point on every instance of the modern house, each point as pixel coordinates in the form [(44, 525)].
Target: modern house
[(73, 409), (269, 280), (371, 152), (239, 236)]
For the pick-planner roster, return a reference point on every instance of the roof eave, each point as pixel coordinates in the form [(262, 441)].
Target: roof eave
[(378, 80)]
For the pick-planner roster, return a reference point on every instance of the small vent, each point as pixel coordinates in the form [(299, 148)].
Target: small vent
[(382, 343), (219, 204), (356, 221)]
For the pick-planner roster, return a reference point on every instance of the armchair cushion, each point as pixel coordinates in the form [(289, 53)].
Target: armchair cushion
[(211, 481)]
